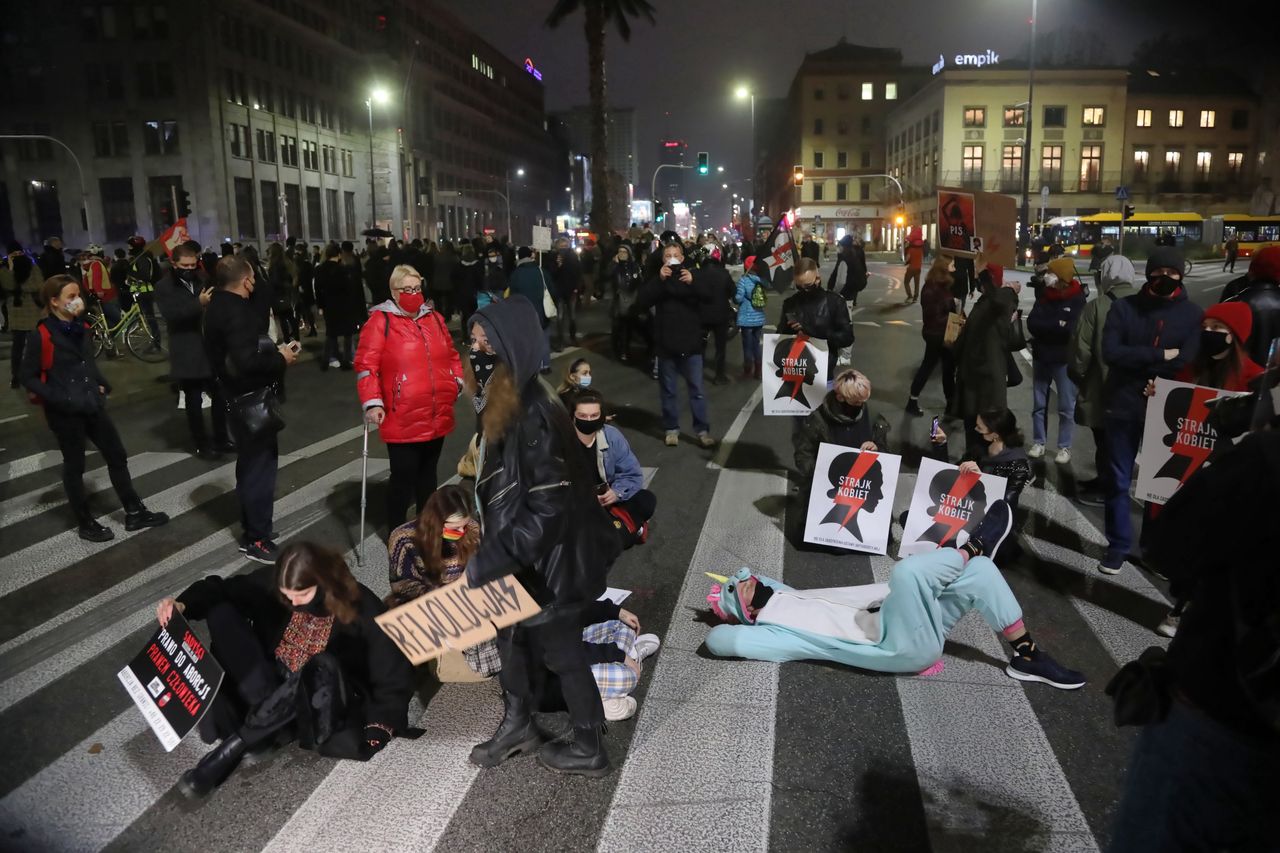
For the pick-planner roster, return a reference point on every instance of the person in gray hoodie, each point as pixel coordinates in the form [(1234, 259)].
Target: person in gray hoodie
[(1086, 368)]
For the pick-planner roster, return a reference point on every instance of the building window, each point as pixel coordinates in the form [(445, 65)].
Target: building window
[(868, 91), (1172, 164), (330, 159), (817, 190), (160, 137), (971, 165), (842, 159), (975, 116), (333, 225), (1015, 116), (866, 124), (480, 65), (1143, 118), (98, 23), (1141, 163), (1235, 164), (1094, 116), (103, 81), (842, 92), (1175, 118), (238, 135), (155, 79), (818, 94), (1055, 116), (1090, 168), (891, 91), (349, 214), (110, 139), (1011, 165), (270, 210), (118, 214), (310, 155), (266, 146), (246, 227), (842, 127), (348, 163), (864, 191), (817, 159), (289, 151), (866, 158), (292, 210), (1208, 118), (1051, 167), (842, 191), (1239, 119), (1204, 162), (307, 109), (817, 127), (150, 21), (315, 228)]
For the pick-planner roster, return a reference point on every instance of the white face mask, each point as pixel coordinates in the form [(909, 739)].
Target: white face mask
[(674, 262), (75, 307), (1050, 279)]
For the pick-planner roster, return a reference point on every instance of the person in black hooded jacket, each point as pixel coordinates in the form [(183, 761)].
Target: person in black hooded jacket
[(818, 313), (540, 521)]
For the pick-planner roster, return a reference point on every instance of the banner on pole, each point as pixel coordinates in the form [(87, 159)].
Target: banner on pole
[(456, 617), (946, 506), (795, 378), (541, 238), (1176, 438), (172, 681), (851, 499)]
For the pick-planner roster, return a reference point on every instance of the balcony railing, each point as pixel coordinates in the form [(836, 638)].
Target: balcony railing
[(1148, 189)]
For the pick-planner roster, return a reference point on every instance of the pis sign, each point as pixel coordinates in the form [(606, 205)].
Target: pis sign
[(976, 60)]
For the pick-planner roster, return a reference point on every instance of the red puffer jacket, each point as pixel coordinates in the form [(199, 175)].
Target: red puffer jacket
[(411, 368)]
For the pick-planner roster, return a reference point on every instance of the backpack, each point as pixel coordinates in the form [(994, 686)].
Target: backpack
[(46, 362), (759, 298)]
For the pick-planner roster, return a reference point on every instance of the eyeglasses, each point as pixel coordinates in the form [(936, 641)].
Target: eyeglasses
[(417, 289)]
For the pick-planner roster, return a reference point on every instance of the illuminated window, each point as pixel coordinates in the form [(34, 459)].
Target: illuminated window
[(1235, 163), (971, 164), (1144, 118), (1208, 118), (1172, 163), (868, 91), (1204, 162), (975, 116), (1095, 116), (1175, 118), (1011, 165), (891, 91), (1015, 117), (1090, 168), (1141, 162), (1051, 166)]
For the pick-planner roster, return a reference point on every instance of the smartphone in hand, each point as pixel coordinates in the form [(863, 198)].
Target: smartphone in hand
[(296, 346), (933, 427)]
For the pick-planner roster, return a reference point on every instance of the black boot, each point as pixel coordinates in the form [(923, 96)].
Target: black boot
[(137, 517), (91, 531), (515, 735), (583, 756), (213, 769)]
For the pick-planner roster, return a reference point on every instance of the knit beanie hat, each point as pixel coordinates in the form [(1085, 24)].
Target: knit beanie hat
[(1236, 316), (1265, 265), (1167, 257), (1063, 268)]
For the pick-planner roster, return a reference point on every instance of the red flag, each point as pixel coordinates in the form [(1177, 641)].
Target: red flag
[(175, 236)]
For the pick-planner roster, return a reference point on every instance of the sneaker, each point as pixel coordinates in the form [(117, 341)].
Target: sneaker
[(1064, 456), (1168, 626), (622, 708), (262, 551), (705, 440), (141, 518), (1111, 564), (994, 528), (91, 531), (333, 362), (913, 408), (646, 645), (672, 439), (1040, 667), (1091, 497), (1036, 451)]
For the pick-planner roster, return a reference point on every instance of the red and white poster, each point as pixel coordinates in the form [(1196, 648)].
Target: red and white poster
[(1176, 438), (851, 499), (795, 374), (175, 236), (172, 681), (946, 506), (956, 220)]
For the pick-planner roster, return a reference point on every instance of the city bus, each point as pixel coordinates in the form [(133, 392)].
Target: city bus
[(1251, 232), (1079, 234)]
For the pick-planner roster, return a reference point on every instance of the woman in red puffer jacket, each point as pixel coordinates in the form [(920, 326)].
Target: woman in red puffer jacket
[(408, 375)]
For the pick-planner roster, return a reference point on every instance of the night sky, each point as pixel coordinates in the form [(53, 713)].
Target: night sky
[(680, 74)]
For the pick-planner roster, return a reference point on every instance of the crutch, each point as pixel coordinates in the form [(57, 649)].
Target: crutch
[(364, 485)]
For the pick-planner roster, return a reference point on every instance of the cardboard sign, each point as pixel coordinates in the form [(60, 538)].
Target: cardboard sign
[(851, 499), (795, 374), (978, 223), (172, 681), (1176, 439), (956, 220), (946, 506), (456, 617), (541, 238)]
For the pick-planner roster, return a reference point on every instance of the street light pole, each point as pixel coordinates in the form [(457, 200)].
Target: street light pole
[(84, 195), (373, 198), (1024, 235)]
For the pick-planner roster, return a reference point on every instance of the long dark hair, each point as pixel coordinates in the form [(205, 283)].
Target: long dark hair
[(1218, 372), (1004, 424), (306, 564), (427, 532)]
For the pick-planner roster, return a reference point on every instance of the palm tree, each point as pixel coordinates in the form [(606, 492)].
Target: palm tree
[(597, 14)]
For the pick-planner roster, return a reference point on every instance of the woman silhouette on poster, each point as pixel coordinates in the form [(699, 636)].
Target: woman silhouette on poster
[(797, 367), (857, 486), (951, 492)]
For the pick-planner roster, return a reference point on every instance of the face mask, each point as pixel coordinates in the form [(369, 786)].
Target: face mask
[(452, 532), (185, 275), (494, 261), (1164, 285), (588, 427), (584, 381), (75, 307), (850, 410), (410, 302), (1050, 279), (314, 607), (482, 365), (1213, 343), (674, 262)]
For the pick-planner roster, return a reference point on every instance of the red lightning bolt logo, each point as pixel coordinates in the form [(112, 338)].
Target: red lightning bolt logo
[(791, 374), (959, 490), (1187, 442), (857, 471)]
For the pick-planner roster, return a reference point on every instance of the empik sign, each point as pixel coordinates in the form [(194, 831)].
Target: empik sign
[(975, 60), (532, 69)]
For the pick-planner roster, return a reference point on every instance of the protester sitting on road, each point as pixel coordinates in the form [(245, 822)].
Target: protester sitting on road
[(819, 314), (1052, 322), (936, 305), (1001, 453), (844, 419), (576, 378), (408, 376), (898, 627), (620, 479), (59, 372), (303, 658), (616, 650)]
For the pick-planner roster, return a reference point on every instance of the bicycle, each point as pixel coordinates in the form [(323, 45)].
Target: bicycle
[(134, 327)]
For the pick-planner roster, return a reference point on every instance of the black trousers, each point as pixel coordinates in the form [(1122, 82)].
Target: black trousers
[(256, 465), (934, 352), (641, 505), (564, 314), (19, 349), (192, 389), (413, 477), (443, 301), (72, 431), (554, 645), (719, 331), (147, 305), (331, 349)]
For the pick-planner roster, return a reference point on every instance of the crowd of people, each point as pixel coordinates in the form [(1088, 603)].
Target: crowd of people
[(557, 493)]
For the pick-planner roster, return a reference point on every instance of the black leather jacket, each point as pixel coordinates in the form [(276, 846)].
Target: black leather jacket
[(1263, 299)]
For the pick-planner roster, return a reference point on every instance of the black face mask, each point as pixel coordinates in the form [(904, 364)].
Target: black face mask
[(1213, 343), (589, 427), (314, 607), (186, 275), (482, 365), (849, 410), (1164, 285)]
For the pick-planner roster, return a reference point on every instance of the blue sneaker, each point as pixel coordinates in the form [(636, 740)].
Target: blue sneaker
[(1038, 666), (994, 528)]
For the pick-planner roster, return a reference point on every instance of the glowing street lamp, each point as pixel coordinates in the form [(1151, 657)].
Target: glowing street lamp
[(745, 93), (380, 96)]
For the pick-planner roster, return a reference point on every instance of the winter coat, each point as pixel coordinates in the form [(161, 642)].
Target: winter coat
[(936, 304), (1138, 331), (1053, 321), (1085, 365), (409, 367), (21, 282), (830, 424), (468, 277), (241, 357), (493, 284), (913, 254), (810, 249), (340, 295), (443, 265), (530, 282), (717, 309), (981, 353), (71, 386), (1263, 299), (377, 277), (179, 305), (376, 673), (566, 277), (617, 464), (678, 319), (52, 262), (821, 314), (850, 273), (749, 316), (626, 288), (538, 521)]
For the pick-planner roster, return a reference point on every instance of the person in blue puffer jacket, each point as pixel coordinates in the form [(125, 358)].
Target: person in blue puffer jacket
[(751, 318)]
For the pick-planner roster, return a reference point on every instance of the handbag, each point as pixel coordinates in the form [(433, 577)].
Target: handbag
[(1141, 691), (1012, 371), (548, 304), (254, 415), (1018, 342), (955, 325)]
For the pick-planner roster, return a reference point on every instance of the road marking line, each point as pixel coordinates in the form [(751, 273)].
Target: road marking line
[(735, 430), (37, 501)]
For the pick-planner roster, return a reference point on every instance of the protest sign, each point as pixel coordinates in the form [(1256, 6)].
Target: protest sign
[(978, 223), (795, 380), (455, 617), (946, 506), (1176, 438), (541, 238), (172, 681), (851, 499)]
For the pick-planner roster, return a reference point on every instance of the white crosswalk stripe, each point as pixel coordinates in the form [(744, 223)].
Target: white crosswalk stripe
[(37, 501)]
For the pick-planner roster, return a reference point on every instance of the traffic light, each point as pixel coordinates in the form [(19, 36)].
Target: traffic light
[(704, 162), (184, 203), (797, 175), (1129, 211)]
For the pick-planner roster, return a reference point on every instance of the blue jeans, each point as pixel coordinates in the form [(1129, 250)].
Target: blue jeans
[(1123, 438), (1195, 784), (752, 346), (669, 370), (1042, 374)]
